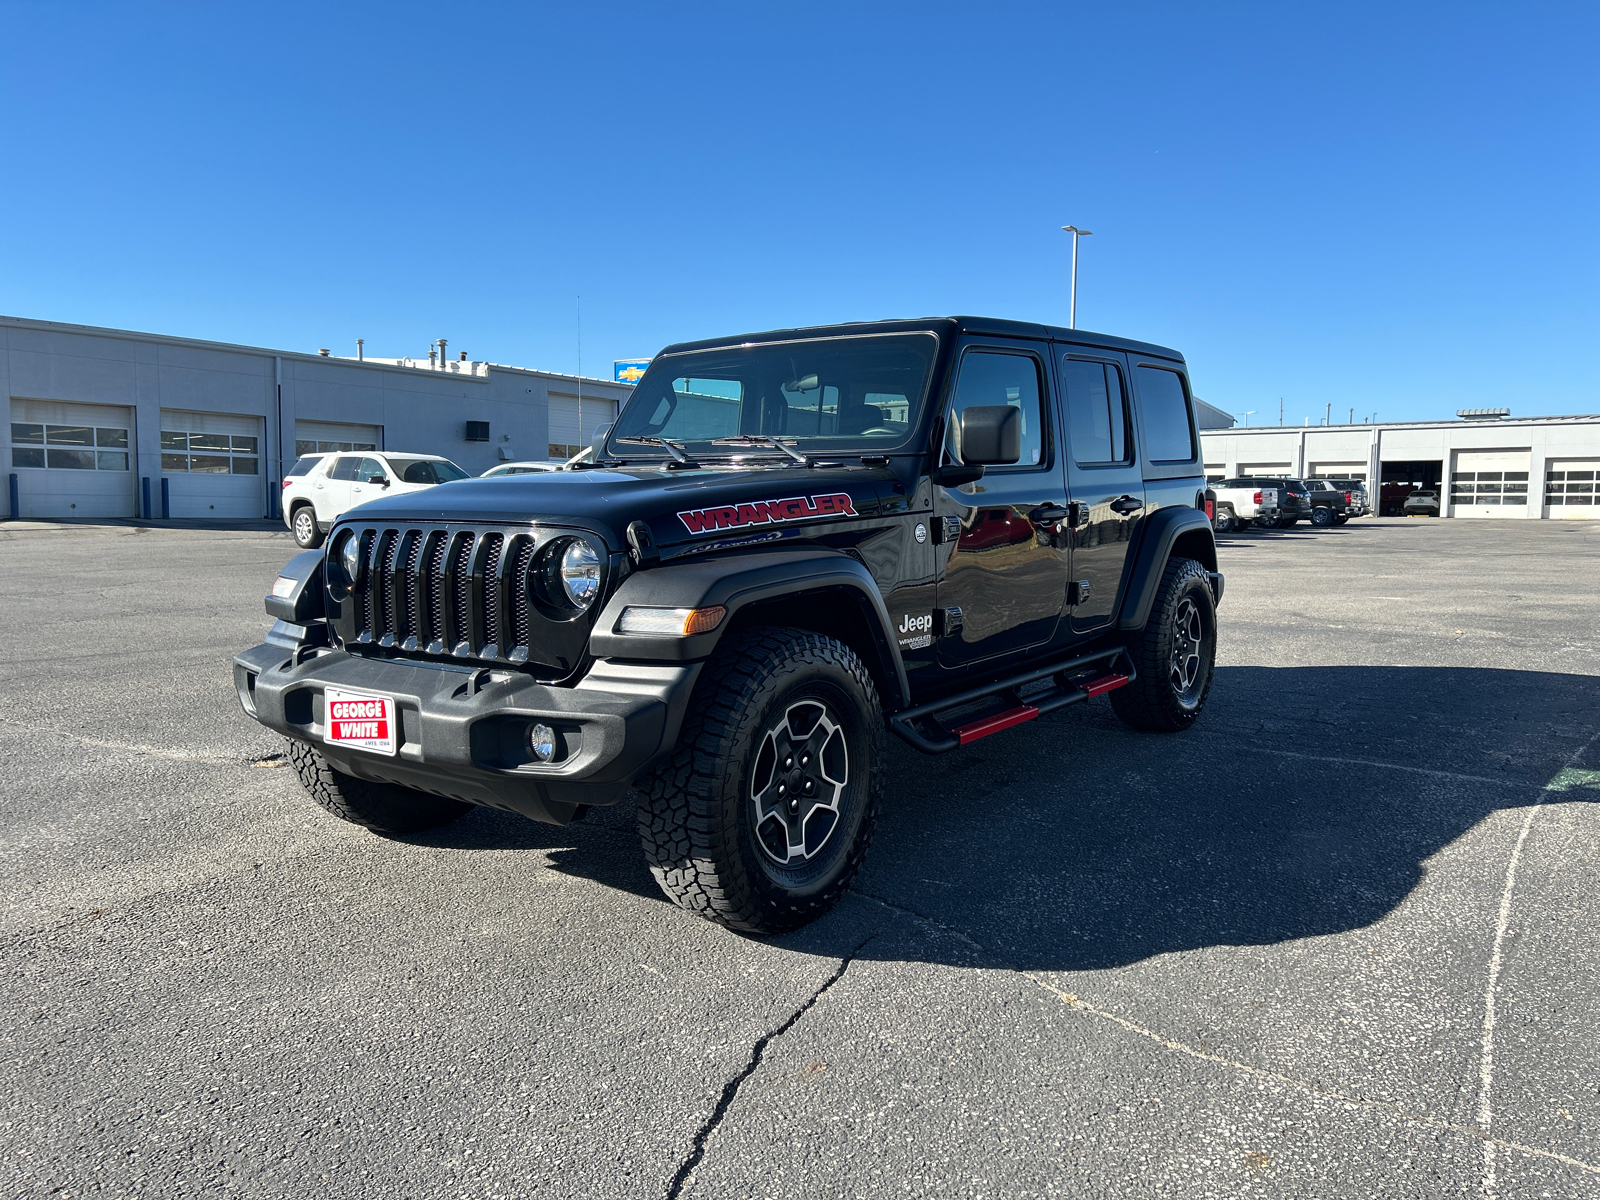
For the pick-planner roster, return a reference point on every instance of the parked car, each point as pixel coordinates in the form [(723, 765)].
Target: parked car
[(1357, 502), (1421, 504), (1294, 504), (1329, 505), (1239, 504), (519, 468), (319, 488)]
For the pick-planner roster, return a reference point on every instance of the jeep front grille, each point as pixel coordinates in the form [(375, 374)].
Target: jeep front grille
[(457, 592)]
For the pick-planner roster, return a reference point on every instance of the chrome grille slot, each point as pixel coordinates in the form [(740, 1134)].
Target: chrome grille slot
[(382, 576), (521, 560), (431, 585), (459, 636), (405, 589), (490, 590)]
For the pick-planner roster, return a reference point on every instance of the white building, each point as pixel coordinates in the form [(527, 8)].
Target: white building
[(107, 423), (1526, 468)]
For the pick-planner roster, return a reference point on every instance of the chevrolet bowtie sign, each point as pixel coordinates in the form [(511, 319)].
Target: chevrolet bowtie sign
[(628, 370)]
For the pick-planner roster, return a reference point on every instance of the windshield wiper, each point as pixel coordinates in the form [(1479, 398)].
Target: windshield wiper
[(680, 460), (762, 439)]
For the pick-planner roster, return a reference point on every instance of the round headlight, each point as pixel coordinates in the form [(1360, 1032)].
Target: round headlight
[(580, 573), (350, 557)]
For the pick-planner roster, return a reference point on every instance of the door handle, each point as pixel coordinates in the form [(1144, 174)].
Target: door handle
[(1047, 514), (1124, 505)]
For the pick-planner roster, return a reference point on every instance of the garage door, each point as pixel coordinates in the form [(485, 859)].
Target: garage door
[(1338, 470), (1280, 469), (329, 437), (570, 432), (1489, 483), (72, 460), (212, 464), (1572, 488)]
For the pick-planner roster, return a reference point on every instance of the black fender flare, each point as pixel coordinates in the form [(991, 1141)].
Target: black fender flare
[(1173, 530), (736, 583), (304, 602)]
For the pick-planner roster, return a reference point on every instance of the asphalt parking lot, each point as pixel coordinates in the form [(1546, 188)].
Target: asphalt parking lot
[(1252, 960)]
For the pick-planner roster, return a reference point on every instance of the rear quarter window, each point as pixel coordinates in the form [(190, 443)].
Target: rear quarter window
[(1168, 425), (302, 466)]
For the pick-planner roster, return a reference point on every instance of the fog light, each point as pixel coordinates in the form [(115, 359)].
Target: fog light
[(542, 742)]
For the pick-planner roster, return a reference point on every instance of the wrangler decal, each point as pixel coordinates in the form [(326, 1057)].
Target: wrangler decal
[(767, 512)]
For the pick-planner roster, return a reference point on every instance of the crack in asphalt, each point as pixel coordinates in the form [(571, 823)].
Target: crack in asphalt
[(730, 1090)]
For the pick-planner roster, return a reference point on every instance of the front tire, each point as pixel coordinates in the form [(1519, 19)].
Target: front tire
[(764, 813), (380, 807), (307, 533), (1174, 653)]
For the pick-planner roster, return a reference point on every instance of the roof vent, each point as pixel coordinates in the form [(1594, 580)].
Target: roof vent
[(1483, 414), (324, 353)]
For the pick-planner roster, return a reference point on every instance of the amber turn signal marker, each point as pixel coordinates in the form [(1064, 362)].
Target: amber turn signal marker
[(704, 620)]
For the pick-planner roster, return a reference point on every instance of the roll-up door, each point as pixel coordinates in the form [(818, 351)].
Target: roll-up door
[(1280, 469), (73, 460), (1338, 470), (1572, 487), (213, 464), (330, 437), (1489, 483), (570, 433)]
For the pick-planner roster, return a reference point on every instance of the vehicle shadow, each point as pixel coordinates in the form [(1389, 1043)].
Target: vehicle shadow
[(1074, 843)]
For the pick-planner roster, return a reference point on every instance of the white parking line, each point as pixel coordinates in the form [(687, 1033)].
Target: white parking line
[(1371, 762)]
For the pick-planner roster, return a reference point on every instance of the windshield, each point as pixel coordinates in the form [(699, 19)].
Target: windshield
[(425, 470), (827, 394)]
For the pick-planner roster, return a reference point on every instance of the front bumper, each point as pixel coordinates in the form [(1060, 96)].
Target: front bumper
[(463, 731)]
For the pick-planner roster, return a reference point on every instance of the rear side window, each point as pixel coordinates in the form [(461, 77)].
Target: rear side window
[(1168, 426), (344, 468), (302, 466), (1097, 411)]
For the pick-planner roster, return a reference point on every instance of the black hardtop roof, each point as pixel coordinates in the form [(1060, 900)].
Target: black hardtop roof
[(940, 325)]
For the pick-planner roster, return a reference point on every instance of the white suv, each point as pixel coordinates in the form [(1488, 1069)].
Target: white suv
[(319, 488)]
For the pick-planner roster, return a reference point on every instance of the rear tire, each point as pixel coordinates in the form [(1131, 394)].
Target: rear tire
[(308, 534), (764, 813), (1322, 517), (380, 807), (1174, 653), (1227, 522)]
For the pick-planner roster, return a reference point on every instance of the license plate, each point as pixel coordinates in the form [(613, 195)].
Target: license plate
[(359, 719)]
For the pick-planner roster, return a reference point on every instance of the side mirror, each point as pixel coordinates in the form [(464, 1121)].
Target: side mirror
[(380, 480), (991, 434)]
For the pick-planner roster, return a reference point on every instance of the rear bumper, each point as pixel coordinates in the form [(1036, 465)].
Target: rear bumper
[(463, 732)]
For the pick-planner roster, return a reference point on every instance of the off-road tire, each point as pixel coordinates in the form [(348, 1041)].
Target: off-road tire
[(1153, 701), (308, 534), (381, 807), (1322, 516), (697, 812)]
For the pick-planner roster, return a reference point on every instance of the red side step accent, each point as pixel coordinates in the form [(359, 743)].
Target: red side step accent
[(1106, 683), (983, 728)]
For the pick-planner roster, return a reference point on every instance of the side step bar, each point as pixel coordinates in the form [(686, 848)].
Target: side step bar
[(920, 726)]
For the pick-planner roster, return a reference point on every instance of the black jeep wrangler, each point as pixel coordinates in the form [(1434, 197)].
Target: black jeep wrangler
[(786, 545)]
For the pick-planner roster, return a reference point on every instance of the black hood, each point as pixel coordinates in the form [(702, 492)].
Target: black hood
[(687, 511)]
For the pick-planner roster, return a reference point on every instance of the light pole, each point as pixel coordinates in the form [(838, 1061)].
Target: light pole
[(1246, 416), (1072, 314)]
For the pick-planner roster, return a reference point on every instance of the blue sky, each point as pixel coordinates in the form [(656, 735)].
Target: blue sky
[(1384, 207)]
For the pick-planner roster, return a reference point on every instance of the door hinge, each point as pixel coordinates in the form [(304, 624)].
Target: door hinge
[(949, 621), (1078, 592), (946, 530)]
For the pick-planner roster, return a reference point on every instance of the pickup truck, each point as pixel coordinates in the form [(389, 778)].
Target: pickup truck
[(1240, 503), (1330, 504)]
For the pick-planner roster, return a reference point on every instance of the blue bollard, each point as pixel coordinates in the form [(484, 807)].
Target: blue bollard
[(166, 501), (145, 489), (15, 514)]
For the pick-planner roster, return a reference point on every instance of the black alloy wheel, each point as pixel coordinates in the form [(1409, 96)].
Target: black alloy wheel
[(764, 812), (1322, 516), (1175, 653)]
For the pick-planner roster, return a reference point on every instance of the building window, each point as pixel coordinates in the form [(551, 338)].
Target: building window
[(68, 447), (311, 446), (1488, 487), (1570, 487), (565, 451), (209, 453)]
